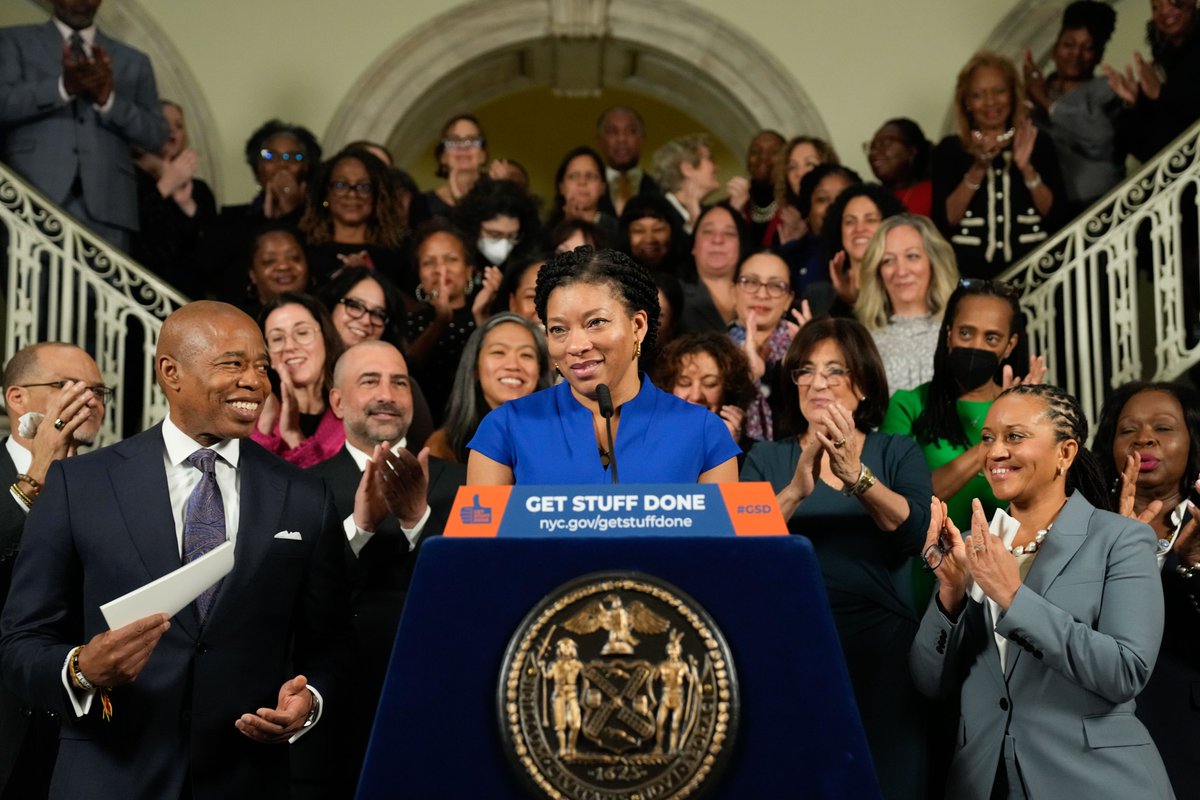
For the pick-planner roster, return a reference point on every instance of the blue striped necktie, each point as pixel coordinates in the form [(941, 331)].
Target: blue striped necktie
[(203, 521)]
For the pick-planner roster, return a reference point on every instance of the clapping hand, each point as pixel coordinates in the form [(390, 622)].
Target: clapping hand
[(1125, 507), (944, 541), (1037, 373), (282, 194), (758, 367), (834, 430), (801, 316), (738, 189), (392, 483), (1023, 141), (1187, 543), (734, 418), (289, 409), (844, 278), (481, 307), (991, 565), (1035, 82)]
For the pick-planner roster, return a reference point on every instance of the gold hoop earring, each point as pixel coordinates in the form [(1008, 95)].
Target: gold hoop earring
[(637, 350), (1059, 472)]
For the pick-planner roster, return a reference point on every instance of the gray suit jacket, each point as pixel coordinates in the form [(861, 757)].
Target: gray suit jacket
[(1084, 631), (50, 142)]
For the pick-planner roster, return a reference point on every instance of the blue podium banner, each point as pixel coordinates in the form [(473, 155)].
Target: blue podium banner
[(693, 509)]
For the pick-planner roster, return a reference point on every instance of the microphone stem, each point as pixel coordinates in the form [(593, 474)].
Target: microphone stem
[(612, 451)]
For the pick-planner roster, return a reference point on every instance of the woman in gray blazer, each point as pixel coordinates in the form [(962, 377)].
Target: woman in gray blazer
[(1047, 622)]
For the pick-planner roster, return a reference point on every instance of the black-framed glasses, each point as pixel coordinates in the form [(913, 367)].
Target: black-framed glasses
[(834, 376), (356, 309), (342, 188), (750, 284), (267, 154), (102, 393), (935, 554), (1002, 288)]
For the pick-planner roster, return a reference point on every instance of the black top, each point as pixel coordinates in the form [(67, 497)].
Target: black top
[(170, 243)]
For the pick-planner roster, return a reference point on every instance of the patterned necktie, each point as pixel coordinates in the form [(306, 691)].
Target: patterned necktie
[(203, 521), (76, 43)]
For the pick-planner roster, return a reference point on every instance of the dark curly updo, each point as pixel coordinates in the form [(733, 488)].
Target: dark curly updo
[(629, 280)]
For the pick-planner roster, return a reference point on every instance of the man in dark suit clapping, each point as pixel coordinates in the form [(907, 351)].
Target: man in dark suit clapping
[(390, 501), (186, 708)]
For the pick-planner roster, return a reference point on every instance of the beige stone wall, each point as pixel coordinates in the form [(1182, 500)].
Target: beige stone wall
[(858, 62)]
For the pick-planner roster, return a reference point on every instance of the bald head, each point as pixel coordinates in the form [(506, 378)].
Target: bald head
[(30, 379), (211, 363), (371, 394)]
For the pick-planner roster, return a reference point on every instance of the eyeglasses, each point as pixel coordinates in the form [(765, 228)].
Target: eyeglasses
[(750, 284), (302, 335), (462, 144), (100, 391), (1002, 288), (277, 155), (500, 236), (343, 189), (834, 376), (356, 309), (935, 554)]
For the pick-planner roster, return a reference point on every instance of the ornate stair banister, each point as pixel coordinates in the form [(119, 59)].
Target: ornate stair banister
[(66, 284), (1081, 288)]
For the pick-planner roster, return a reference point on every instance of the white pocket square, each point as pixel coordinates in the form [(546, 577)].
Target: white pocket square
[(293, 535)]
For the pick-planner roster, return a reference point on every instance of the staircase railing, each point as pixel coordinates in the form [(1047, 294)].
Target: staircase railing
[(66, 284), (1113, 297)]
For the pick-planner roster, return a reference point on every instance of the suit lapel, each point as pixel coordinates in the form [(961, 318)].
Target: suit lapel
[(52, 42), (1062, 542), (261, 495), (140, 485)]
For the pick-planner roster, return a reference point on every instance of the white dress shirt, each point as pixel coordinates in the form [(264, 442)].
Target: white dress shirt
[(88, 35), (356, 536)]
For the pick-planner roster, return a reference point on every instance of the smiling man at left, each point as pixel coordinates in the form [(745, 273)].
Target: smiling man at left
[(252, 661), (72, 101)]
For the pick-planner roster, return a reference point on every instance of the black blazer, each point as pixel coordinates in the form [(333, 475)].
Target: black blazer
[(102, 527)]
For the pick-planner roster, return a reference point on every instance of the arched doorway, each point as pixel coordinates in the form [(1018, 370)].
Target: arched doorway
[(573, 54)]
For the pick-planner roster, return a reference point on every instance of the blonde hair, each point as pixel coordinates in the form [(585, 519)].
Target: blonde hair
[(987, 58), (873, 307)]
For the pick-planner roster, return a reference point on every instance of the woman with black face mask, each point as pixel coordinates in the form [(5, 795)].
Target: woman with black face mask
[(976, 358)]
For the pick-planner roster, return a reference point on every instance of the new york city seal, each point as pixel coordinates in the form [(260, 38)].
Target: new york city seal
[(618, 686)]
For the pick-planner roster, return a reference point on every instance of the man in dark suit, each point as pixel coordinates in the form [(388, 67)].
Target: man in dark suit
[(217, 684), (390, 501), (72, 101), (61, 384), (620, 134)]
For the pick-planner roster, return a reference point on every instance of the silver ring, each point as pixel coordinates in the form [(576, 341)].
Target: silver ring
[(59, 424)]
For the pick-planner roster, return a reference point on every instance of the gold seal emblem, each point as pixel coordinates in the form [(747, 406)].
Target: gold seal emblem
[(618, 686)]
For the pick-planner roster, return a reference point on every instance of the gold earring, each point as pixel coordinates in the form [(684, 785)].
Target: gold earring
[(637, 349), (1059, 473), (325, 204), (556, 369)]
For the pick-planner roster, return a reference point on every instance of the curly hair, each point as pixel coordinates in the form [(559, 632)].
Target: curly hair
[(737, 388), (1106, 429), (1066, 415), (489, 199), (629, 280), (940, 419), (467, 406), (1098, 19), (386, 227), (783, 190), (874, 307), (831, 232), (987, 58), (308, 143), (862, 362), (809, 183)]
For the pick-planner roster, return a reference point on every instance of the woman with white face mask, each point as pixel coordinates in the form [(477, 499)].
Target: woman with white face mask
[(500, 218)]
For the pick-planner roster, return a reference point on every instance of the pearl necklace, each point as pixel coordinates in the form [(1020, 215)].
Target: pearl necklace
[(1031, 547)]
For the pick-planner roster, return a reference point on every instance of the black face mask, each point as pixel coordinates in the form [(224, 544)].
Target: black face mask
[(973, 367)]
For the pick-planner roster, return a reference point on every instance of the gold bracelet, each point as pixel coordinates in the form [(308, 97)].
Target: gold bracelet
[(24, 498), (866, 479), (77, 676)]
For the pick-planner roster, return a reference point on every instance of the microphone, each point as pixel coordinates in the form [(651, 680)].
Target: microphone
[(604, 399)]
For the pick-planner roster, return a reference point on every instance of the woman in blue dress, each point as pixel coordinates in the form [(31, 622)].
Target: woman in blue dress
[(600, 309)]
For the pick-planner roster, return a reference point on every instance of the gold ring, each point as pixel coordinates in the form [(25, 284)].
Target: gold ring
[(978, 548), (840, 443), (59, 424)]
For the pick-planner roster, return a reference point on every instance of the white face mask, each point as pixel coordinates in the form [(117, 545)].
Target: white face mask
[(494, 250)]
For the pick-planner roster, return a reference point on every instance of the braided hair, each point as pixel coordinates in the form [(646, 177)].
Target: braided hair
[(1066, 415), (629, 280)]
